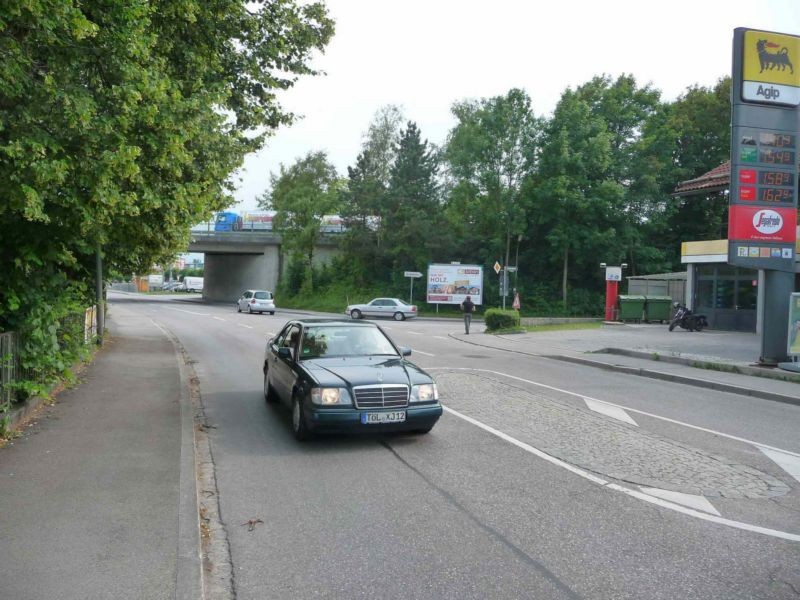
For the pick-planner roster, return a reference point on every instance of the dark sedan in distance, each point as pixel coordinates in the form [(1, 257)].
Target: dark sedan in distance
[(341, 376)]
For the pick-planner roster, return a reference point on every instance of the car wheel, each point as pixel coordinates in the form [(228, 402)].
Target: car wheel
[(398, 316), (238, 308), (355, 314), (249, 310), (269, 393), (272, 312), (299, 427)]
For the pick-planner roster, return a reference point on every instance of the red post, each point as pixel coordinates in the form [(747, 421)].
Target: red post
[(612, 295)]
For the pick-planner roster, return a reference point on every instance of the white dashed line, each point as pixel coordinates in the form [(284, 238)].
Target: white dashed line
[(690, 500), (189, 312), (618, 488), (441, 337), (610, 411), (221, 319), (245, 326), (788, 462), (414, 333), (421, 352)]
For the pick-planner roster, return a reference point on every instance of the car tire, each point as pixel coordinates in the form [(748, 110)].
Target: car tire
[(269, 393), (272, 312), (249, 310), (299, 427), (238, 308), (355, 314), (398, 316)]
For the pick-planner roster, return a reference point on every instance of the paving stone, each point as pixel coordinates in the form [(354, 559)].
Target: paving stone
[(601, 444)]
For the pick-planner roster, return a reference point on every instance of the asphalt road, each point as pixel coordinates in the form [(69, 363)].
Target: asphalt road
[(522, 490)]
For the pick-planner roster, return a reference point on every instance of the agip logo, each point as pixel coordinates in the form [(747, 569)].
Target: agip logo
[(771, 68), (767, 222)]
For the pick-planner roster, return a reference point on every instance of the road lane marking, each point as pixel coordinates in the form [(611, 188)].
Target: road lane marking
[(245, 326), (618, 488), (634, 410), (188, 311), (786, 461), (421, 352), (414, 333), (690, 500), (221, 319), (441, 337), (610, 411)]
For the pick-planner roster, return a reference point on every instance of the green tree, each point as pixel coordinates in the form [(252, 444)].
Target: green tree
[(682, 140), (300, 196), (575, 194), (121, 124), (626, 108), (491, 152), (412, 216)]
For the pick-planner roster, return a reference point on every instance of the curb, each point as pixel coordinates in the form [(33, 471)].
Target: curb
[(652, 374), (693, 381), (700, 363)]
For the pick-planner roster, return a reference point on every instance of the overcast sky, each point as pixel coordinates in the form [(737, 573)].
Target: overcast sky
[(425, 55)]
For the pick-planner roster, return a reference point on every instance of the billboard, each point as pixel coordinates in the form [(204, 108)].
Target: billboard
[(451, 284)]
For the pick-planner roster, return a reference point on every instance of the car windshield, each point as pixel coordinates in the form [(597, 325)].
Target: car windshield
[(263, 296), (329, 340)]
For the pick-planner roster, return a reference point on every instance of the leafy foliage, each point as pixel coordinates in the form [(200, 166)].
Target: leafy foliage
[(496, 318), (121, 124)]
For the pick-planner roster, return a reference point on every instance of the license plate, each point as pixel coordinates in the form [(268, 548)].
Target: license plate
[(398, 416)]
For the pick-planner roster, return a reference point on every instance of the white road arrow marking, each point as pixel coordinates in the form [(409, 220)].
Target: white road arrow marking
[(788, 462), (690, 500), (614, 412)]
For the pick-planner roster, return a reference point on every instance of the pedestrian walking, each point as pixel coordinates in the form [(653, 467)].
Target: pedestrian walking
[(468, 307)]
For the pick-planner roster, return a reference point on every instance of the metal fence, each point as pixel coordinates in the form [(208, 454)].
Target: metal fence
[(73, 332)]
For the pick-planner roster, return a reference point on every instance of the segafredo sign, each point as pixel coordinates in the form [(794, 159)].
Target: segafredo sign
[(754, 224), (767, 222)]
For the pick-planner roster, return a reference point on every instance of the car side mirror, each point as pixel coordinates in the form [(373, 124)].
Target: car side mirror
[(405, 351), (285, 352)]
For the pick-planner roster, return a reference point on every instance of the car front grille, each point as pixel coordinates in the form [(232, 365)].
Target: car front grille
[(381, 396)]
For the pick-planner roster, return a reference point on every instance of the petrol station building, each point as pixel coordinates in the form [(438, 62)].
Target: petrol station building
[(728, 295)]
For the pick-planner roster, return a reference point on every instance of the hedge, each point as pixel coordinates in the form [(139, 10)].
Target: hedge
[(497, 318)]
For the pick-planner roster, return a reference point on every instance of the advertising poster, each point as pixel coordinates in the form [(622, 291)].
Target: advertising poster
[(451, 284), (794, 325)]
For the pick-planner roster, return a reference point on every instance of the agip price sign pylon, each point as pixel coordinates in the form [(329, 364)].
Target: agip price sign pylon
[(762, 222)]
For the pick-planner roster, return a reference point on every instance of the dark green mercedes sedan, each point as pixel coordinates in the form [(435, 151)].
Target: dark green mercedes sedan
[(342, 377)]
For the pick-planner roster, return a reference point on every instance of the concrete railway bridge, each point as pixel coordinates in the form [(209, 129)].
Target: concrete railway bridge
[(241, 260)]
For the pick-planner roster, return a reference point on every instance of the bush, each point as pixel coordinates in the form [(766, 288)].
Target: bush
[(497, 318)]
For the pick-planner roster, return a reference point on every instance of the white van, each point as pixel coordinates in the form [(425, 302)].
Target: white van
[(193, 284)]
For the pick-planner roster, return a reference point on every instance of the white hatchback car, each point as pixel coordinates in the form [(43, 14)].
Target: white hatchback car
[(383, 307), (259, 301)]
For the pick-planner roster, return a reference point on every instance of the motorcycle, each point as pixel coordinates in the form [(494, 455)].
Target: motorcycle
[(686, 319)]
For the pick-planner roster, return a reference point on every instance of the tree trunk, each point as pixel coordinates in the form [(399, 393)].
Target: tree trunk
[(505, 266), (564, 278)]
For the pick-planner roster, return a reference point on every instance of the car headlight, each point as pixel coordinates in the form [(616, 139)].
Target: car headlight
[(330, 396), (427, 392)]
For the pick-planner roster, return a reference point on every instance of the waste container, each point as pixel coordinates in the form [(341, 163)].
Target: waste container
[(657, 308), (631, 308)]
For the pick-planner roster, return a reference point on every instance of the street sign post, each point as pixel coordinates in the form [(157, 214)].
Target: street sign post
[(762, 217), (412, 275)]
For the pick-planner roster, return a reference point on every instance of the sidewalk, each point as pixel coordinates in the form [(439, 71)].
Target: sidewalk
[(94, 493), (718, 360)]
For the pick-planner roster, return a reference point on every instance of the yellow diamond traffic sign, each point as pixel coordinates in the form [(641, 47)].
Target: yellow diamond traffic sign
[(497, 267)]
